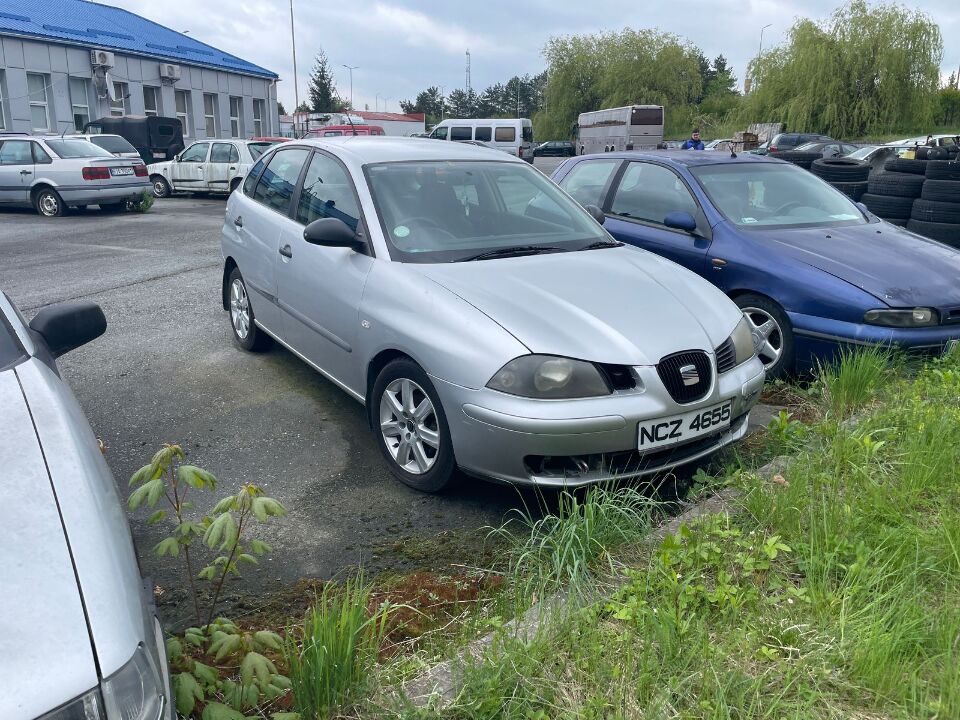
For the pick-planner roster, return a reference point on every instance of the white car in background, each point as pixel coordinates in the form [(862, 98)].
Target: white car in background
[(213, 166), (53, 173)]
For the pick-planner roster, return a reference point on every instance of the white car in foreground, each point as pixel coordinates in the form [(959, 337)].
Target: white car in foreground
[(214, 166)]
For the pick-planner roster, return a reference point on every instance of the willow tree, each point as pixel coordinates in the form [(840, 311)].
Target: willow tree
[(868, 70), (590, 72)]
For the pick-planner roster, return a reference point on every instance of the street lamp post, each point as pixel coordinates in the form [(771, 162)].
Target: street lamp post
[(296, 93), (351, 68), (759, 52)]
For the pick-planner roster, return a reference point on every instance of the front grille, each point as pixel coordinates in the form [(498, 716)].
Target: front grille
[(669, 371), (726, 356)]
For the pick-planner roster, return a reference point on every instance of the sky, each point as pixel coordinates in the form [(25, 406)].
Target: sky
[(403, 46)]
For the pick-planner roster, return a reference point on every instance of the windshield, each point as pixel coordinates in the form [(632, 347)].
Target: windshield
[(113, 143), (259, 148), (449, 211), (75, 148), (862, 153), (775, 195)]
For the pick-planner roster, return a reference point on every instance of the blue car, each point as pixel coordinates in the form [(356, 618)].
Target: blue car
[(812, 270)]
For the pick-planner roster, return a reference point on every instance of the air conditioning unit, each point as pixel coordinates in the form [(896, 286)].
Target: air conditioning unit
[(169, 71), (101, 59)]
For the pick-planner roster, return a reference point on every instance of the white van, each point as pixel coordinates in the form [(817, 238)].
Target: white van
[(512, 135)]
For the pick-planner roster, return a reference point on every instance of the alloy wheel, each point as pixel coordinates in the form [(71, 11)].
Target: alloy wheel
[(239, 309), (409, 425), (767, 335)]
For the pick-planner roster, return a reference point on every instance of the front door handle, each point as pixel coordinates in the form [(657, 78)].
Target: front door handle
[(26, 172), (286, 251), (238, 221)]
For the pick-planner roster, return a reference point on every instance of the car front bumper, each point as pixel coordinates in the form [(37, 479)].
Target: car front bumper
[(568, 443)]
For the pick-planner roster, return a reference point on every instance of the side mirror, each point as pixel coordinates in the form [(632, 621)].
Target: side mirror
[(681, 220), (333, 232), (69, 325), (596, 213)]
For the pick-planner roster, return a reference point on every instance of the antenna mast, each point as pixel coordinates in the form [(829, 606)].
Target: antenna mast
[(468, 71)]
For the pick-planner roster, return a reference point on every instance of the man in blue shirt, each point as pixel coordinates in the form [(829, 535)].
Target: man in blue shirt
[(694, 143)]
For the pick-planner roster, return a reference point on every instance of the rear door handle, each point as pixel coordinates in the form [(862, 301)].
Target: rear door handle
[(238, 221), (286, 251)]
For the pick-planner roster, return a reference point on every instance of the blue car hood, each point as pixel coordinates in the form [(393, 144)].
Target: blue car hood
[(894, 265)]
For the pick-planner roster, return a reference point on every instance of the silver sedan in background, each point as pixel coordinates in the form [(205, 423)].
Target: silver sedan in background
[(79, 636), (484, 318), (53, 173)]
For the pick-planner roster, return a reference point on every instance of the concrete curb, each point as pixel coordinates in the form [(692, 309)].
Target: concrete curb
[(439, 685)]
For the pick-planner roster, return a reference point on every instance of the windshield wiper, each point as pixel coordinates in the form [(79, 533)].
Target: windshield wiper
[(602, 244), (512, 251)]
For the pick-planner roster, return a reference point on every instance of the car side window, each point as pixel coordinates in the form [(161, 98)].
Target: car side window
[(195, 153), (327, 193), (650, 192), (505, 134), (461, 133), (222, 153), (279, 178), (483, 134), (16, 152), (586, 181), (251, 180), (40, 155), (439, 133)]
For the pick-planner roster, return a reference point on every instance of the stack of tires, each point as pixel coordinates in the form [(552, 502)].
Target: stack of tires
[(936, 213), (847, 175), (891, 194), (803, 159)]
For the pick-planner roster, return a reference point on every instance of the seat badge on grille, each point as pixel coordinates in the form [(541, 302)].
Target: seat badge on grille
[(689, 375)]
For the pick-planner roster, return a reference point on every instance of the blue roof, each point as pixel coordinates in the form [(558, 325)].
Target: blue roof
[(89, 24)]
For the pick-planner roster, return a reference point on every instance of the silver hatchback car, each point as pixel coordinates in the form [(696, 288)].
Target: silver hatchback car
[(484, 318), (79, 637), (52, 173)]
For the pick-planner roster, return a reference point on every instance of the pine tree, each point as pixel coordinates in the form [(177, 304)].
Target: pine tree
[(322, 89)]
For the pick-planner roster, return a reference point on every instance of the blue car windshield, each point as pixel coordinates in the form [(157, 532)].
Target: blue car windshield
[(775, 195)]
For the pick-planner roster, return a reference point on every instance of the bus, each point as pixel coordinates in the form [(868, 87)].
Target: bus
[(624, 128)]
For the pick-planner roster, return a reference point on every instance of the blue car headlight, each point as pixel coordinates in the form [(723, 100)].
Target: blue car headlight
[(549, 377), (903, 318)]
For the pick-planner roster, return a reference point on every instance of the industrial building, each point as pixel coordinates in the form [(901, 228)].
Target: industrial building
[(66, 62)]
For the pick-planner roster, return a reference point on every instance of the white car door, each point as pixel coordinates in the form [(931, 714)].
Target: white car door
[(16, 171), (321, 287), (187, 172), (221, 168)]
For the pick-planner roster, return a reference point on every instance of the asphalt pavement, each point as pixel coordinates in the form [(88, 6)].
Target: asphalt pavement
[(167, 370)]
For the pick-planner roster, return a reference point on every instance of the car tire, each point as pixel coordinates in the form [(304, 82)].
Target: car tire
[(945, 191), (853, 190), (938, 153), (922, 153), (947, 233), (897, 184), (943, 170), (48, 203), (934, 211), (427, 468), (246, 332), (841, 170), (888, 206), (776, 346), (161, 188), (906, 165)]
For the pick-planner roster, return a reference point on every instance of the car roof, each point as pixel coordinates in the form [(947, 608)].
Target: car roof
[(685, 158), (382, 148)]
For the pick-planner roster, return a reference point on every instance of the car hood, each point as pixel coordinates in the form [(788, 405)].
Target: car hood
[(45, 650), (894, 265), (619, 305)]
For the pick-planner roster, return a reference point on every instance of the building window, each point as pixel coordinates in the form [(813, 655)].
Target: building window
[(120, 106), (151, 100), (259, 111), (182, 98), (39, 112), (80, 100), (210, 115), (236, 115)]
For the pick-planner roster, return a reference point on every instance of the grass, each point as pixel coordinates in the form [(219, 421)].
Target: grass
[(832, 590)]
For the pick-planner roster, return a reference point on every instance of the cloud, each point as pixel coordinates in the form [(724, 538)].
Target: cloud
[(419, 30)]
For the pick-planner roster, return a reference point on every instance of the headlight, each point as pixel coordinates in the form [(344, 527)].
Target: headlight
[(549, 377), (86, 707), (915, 317), (133, 692), (743, 342)]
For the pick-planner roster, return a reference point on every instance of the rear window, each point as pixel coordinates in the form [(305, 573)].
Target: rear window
[(113, 143), (646, 116), (68, 149), (258, 148), (165, 130), (528, 133)]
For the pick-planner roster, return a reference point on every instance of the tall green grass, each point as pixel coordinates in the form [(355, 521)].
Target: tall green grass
[(854, 378), (331, 655)]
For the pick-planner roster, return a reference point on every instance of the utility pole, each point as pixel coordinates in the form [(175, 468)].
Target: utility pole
[(468, 71), (518, 96), (351, 68), (296, 92)]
